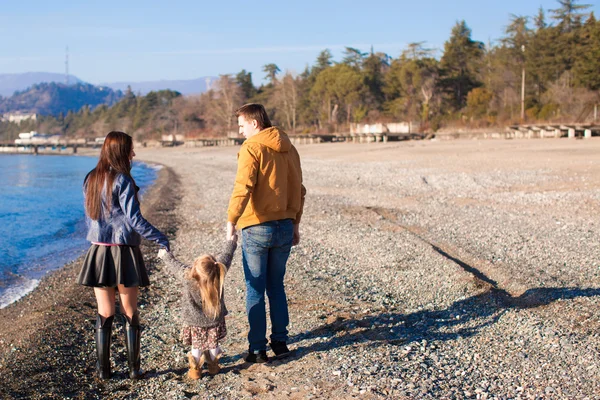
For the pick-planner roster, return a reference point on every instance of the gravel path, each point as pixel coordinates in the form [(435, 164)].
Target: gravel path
[(465, 269)]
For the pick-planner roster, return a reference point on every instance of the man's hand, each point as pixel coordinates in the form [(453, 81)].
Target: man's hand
[(296, 238), (231, 233)]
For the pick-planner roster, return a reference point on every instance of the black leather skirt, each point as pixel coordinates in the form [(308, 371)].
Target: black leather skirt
[(109, 266)]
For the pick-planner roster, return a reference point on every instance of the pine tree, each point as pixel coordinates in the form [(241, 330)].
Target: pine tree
[(587, 66), (271, 70), (568, 14), (244, 80), (460, 63)]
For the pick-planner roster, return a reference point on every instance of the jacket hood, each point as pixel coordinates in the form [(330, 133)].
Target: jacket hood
[(273, 138)]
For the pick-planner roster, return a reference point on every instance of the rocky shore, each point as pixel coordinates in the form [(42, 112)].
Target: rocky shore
[(463, 269)]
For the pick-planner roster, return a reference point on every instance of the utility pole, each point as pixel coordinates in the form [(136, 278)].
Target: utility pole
[(523, 86)]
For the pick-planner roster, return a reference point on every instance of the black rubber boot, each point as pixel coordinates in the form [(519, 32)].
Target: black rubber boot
[(103, 332), (132, 341)]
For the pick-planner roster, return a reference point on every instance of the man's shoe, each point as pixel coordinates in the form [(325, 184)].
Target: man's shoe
[(280, 349), (259, 357)]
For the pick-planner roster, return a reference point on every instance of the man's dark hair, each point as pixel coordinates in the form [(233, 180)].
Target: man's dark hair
[(255, 111)]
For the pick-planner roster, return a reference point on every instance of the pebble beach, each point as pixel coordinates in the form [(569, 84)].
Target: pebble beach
[(426, 269)]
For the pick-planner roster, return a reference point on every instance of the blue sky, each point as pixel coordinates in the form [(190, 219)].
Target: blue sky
[(113, 41)]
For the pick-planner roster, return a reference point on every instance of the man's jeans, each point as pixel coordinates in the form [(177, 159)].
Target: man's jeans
[(265, 250)]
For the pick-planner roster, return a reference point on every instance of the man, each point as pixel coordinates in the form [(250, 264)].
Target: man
[(266, 205)]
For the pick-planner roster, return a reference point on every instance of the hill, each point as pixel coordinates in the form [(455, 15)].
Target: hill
[(11, 83), (55, 98)]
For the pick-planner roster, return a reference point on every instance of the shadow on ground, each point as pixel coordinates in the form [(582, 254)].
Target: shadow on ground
[(464, 318)]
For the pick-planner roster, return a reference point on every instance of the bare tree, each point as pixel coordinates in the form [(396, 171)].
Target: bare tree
[(223, 101), (287, 96)]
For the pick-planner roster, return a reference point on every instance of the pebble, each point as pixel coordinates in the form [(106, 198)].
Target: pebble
[(447, 289)]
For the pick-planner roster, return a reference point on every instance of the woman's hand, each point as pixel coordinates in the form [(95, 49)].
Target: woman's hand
[(162, 253)]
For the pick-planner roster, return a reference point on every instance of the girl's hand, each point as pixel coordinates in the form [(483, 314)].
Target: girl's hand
[(162, 253)]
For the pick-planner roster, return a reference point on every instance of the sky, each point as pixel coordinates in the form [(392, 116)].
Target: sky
[(132, 41)]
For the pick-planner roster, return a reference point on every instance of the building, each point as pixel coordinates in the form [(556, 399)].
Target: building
[(18, 117), (37, 138), (393, 128)]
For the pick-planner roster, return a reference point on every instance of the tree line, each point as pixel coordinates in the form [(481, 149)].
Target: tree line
[(473, 84)]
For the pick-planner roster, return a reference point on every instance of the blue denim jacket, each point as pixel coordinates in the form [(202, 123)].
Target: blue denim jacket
[(124, 224)]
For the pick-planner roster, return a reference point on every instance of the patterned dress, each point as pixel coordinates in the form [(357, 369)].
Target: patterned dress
[(204, 338)]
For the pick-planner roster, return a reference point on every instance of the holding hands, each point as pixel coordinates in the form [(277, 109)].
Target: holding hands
[(231, 235), (162, 253), (231, 232)]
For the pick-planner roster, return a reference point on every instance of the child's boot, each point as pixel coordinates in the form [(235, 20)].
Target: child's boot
[(213, 365), (195, 371)]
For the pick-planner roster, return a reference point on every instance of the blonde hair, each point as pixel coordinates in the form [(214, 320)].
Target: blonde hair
[(209, 275)]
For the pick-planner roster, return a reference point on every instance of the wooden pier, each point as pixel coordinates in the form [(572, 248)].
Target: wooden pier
[(205, 142), (526, 131), (570, 131), (299, 139), (45, 148), (355, 138)]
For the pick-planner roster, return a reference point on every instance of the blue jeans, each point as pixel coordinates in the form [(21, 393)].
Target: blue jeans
[(265, 251)]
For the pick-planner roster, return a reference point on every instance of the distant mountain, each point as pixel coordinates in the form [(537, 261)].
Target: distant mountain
[(185, 87), (55, 98), (10, 83)]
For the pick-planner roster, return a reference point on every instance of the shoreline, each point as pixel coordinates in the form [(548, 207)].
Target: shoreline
[(23, 285), (38, 320), (430, 270)]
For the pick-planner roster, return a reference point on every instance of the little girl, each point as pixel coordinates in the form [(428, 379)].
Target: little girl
[(203, 307)]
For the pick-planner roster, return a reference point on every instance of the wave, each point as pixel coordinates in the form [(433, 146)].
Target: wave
[(155, 167), (16, 288)]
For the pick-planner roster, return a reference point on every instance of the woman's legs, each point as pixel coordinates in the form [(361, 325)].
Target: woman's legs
[(128, 297), (105, 297)]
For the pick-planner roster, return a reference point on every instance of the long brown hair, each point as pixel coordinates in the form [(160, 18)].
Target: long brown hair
[(209, 275), (114, 159)]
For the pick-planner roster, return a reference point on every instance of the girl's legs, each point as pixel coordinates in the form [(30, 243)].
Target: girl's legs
[(215, 352), (196, 353)]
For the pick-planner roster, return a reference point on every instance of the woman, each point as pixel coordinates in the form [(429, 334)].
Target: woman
[(114, 260)]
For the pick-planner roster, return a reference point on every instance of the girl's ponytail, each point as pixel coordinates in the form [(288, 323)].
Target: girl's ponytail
[(210, 278)]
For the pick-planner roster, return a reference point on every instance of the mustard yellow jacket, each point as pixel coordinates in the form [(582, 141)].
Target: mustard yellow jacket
[(268, 184)]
